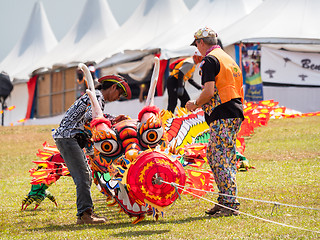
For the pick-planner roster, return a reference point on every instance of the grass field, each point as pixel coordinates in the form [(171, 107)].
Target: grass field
[(286, 154)]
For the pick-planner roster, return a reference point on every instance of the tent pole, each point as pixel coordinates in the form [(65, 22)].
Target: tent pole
[(240, 55)]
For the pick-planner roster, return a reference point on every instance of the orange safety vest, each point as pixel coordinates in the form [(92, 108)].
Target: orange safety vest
[(229, 80), (188, 75)]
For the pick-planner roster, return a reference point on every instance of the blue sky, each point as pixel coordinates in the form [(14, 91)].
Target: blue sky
[(61, 14)]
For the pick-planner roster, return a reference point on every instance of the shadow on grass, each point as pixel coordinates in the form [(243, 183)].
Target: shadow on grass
[(116, 225), (73, 227), (185, 220), (139, 233)]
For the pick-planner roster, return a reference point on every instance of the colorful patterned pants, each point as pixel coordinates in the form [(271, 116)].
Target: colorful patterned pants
[(221, 155)]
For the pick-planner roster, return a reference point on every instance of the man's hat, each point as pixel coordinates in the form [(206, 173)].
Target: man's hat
[(203, 33), (120, 81)]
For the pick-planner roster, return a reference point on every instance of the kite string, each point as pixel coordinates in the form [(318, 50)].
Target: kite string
[(222, 194), (243, 213), (245, 198)]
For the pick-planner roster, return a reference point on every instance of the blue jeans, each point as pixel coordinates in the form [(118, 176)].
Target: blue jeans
[(79, 169)]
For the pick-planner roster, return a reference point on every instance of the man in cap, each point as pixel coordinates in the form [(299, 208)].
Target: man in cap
[(182, 72), (221, 100), (70, 138)]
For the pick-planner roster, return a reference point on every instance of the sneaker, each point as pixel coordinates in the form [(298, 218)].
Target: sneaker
[(213, 210), (89, 217), (225, 213)]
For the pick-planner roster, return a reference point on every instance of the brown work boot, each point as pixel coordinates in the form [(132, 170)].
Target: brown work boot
[(89, 217), (224, 212), (213, 210), (79, 221)]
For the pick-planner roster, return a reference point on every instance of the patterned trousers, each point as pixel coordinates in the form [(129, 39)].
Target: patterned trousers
[(221, 155)]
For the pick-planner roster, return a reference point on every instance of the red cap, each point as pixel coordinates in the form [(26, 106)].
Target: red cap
[(120, 81)]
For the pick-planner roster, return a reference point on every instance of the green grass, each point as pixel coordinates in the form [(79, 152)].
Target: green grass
[(286, 154)]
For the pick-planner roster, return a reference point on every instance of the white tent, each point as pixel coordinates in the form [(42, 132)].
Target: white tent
[(150, 19), (285, 21), (175, 41), (287, 24), (95, 23), (216, 14), (37, 40)]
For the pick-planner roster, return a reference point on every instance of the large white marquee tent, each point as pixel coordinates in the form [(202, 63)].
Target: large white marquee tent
[(151, 19), (216, 14), (291, 25), (95, 24), (37, 40), (285, 21), (175, 40), (169, 26)]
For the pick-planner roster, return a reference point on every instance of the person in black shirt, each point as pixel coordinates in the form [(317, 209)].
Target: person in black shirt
[(221, 100), (181, 73)]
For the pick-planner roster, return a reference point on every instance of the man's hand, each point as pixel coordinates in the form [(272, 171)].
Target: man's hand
[(119, 119), (191, 105)]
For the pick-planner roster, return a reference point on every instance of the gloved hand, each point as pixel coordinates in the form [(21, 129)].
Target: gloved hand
[(180, 91)]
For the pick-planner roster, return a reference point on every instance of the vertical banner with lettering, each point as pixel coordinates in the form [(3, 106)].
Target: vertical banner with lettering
[(254, 88), (251, 68), (290, 68)]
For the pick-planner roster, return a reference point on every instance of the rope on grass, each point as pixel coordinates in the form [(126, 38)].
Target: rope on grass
[(252, 199), (243, 213)]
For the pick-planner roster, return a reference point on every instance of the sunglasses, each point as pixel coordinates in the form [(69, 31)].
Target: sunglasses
[(197, 41)]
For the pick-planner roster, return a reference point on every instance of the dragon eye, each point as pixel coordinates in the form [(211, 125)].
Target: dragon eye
[(108, 147), (151, 137)]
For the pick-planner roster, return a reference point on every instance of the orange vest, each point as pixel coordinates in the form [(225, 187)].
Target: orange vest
[(229, 80), (188, 75)]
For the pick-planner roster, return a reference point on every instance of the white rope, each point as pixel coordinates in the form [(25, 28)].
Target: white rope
[(243, 213), (252, 199)]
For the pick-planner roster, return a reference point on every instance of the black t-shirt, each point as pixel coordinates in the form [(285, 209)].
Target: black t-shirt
[(232, 109)]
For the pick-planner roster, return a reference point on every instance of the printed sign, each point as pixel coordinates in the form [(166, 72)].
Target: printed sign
[(293, 68)]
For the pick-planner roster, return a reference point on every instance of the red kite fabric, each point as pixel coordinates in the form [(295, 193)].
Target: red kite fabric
[(31, 91)]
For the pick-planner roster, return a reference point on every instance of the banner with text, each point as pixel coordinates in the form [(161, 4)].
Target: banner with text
[(285, 67), (254, 89)]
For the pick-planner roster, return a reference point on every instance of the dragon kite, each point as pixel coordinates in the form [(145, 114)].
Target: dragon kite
[(137, 163)]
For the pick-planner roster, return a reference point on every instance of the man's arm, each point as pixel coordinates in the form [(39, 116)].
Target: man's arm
[(205, 96), (193, 83)]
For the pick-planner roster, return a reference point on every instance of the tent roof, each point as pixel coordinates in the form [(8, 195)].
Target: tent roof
[(216, 14), (150, 19), (285, 21), (123, 57), (95, 23), (37, 40)]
